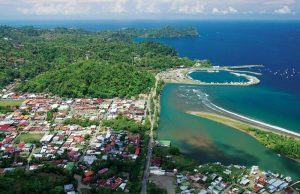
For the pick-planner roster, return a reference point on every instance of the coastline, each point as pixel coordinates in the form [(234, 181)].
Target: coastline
[(239, 125)]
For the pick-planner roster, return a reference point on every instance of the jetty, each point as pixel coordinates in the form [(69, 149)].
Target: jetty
[(242, 66)]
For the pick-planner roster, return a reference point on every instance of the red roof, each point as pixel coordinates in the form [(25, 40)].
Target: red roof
[(78, 139), (7, 140), (116, 183), (262, 181), (10, 149), (156, 161), (137, 151), (21, 144), (101, 182), (104, 170), (4, 127), (88, 173)]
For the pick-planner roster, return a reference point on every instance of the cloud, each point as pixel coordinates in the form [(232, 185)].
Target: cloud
[(119, 7), (71, 7), (193, 8), (284, 10), (54, 9), (230, 10), (146, 8)]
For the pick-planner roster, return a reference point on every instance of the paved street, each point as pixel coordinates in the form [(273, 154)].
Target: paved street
[(151, 141)]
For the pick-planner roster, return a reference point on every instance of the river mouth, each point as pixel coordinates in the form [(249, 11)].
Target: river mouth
[(209, 141)]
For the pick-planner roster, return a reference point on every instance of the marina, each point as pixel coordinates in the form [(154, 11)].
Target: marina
[(209, 76)]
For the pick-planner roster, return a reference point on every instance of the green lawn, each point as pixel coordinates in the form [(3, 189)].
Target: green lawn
[(11, 102), (29, 137)]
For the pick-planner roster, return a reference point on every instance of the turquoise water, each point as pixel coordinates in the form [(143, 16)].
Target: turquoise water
[(216, 77), (208, 141)]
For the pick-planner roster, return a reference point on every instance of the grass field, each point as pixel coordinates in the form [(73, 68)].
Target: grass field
[(29, 138), (11, 102)]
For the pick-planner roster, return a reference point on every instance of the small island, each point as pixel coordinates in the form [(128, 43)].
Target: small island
[(165, 32)]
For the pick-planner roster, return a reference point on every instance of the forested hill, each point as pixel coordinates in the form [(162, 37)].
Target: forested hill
[(91, 78), (74, 62)]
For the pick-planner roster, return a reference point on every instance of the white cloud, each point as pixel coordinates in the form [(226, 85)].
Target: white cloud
[(148, 8), (187, 7), (119, 7), (230, 10), (284, 10), (74, 7), (55, 9), (192, 9)]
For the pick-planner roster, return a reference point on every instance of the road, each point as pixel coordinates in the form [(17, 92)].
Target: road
[(151, 140), (29, 157)]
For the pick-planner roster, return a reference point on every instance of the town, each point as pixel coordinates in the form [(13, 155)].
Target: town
[(72, 134)]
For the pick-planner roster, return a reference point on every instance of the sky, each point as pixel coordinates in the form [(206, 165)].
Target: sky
[(148, 9)]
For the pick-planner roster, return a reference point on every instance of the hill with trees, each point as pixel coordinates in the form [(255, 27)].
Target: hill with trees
[(77, 63)]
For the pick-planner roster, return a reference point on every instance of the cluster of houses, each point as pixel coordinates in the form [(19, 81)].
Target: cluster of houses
[(201, 183), (8, 147), (250, 181), (98, 109), (90, 108), (109, 144), (68, 145), (115, 144), (261, 182), (58, 143)]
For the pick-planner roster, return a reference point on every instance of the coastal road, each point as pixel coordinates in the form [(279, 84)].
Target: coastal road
[(151, 140)]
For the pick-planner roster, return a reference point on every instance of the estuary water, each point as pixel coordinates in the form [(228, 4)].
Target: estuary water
[(209, 141)]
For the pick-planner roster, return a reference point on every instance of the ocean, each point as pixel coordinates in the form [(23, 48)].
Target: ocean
[(276, 100)]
